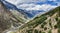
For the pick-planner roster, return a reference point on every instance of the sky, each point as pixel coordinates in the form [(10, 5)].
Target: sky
[(35, 4), (30, 5)]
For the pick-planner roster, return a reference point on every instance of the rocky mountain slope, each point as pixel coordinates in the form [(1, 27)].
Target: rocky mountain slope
[(15, 11), (10, 19), (46, 23), (4, 18)]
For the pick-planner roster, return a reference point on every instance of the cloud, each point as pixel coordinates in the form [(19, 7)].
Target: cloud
[(52, 0), (58, 3), (18, 2), (32, 6), (15, 2), (44, 7)]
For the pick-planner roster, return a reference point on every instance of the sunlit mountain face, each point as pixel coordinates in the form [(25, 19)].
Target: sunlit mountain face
[(31, 7)]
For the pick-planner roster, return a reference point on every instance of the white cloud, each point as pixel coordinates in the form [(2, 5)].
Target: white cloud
[(15, 2), (44, 7), (47, 7), (52, 0), (32, 6)]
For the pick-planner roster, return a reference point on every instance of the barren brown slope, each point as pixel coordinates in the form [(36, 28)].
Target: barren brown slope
[(4, 18), (7, 18)]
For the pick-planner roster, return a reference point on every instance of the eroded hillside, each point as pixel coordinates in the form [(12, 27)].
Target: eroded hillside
[(9, 20)]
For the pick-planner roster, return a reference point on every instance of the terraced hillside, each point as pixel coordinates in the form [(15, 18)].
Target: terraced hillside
[(46, 23)]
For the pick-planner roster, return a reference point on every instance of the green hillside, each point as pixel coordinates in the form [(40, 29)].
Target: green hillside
[(45, 23)]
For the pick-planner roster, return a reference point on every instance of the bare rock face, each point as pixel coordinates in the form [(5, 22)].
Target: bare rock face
[(9, 17), (4, 18)]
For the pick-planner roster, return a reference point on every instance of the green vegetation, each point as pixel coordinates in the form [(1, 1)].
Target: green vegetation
[(59, 30), (43, 32), (58, 23), (29, 31), (43, 24), (40, 31), (50, 24), (49, 31), (36, 31), (55, 26), (45, 28)]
